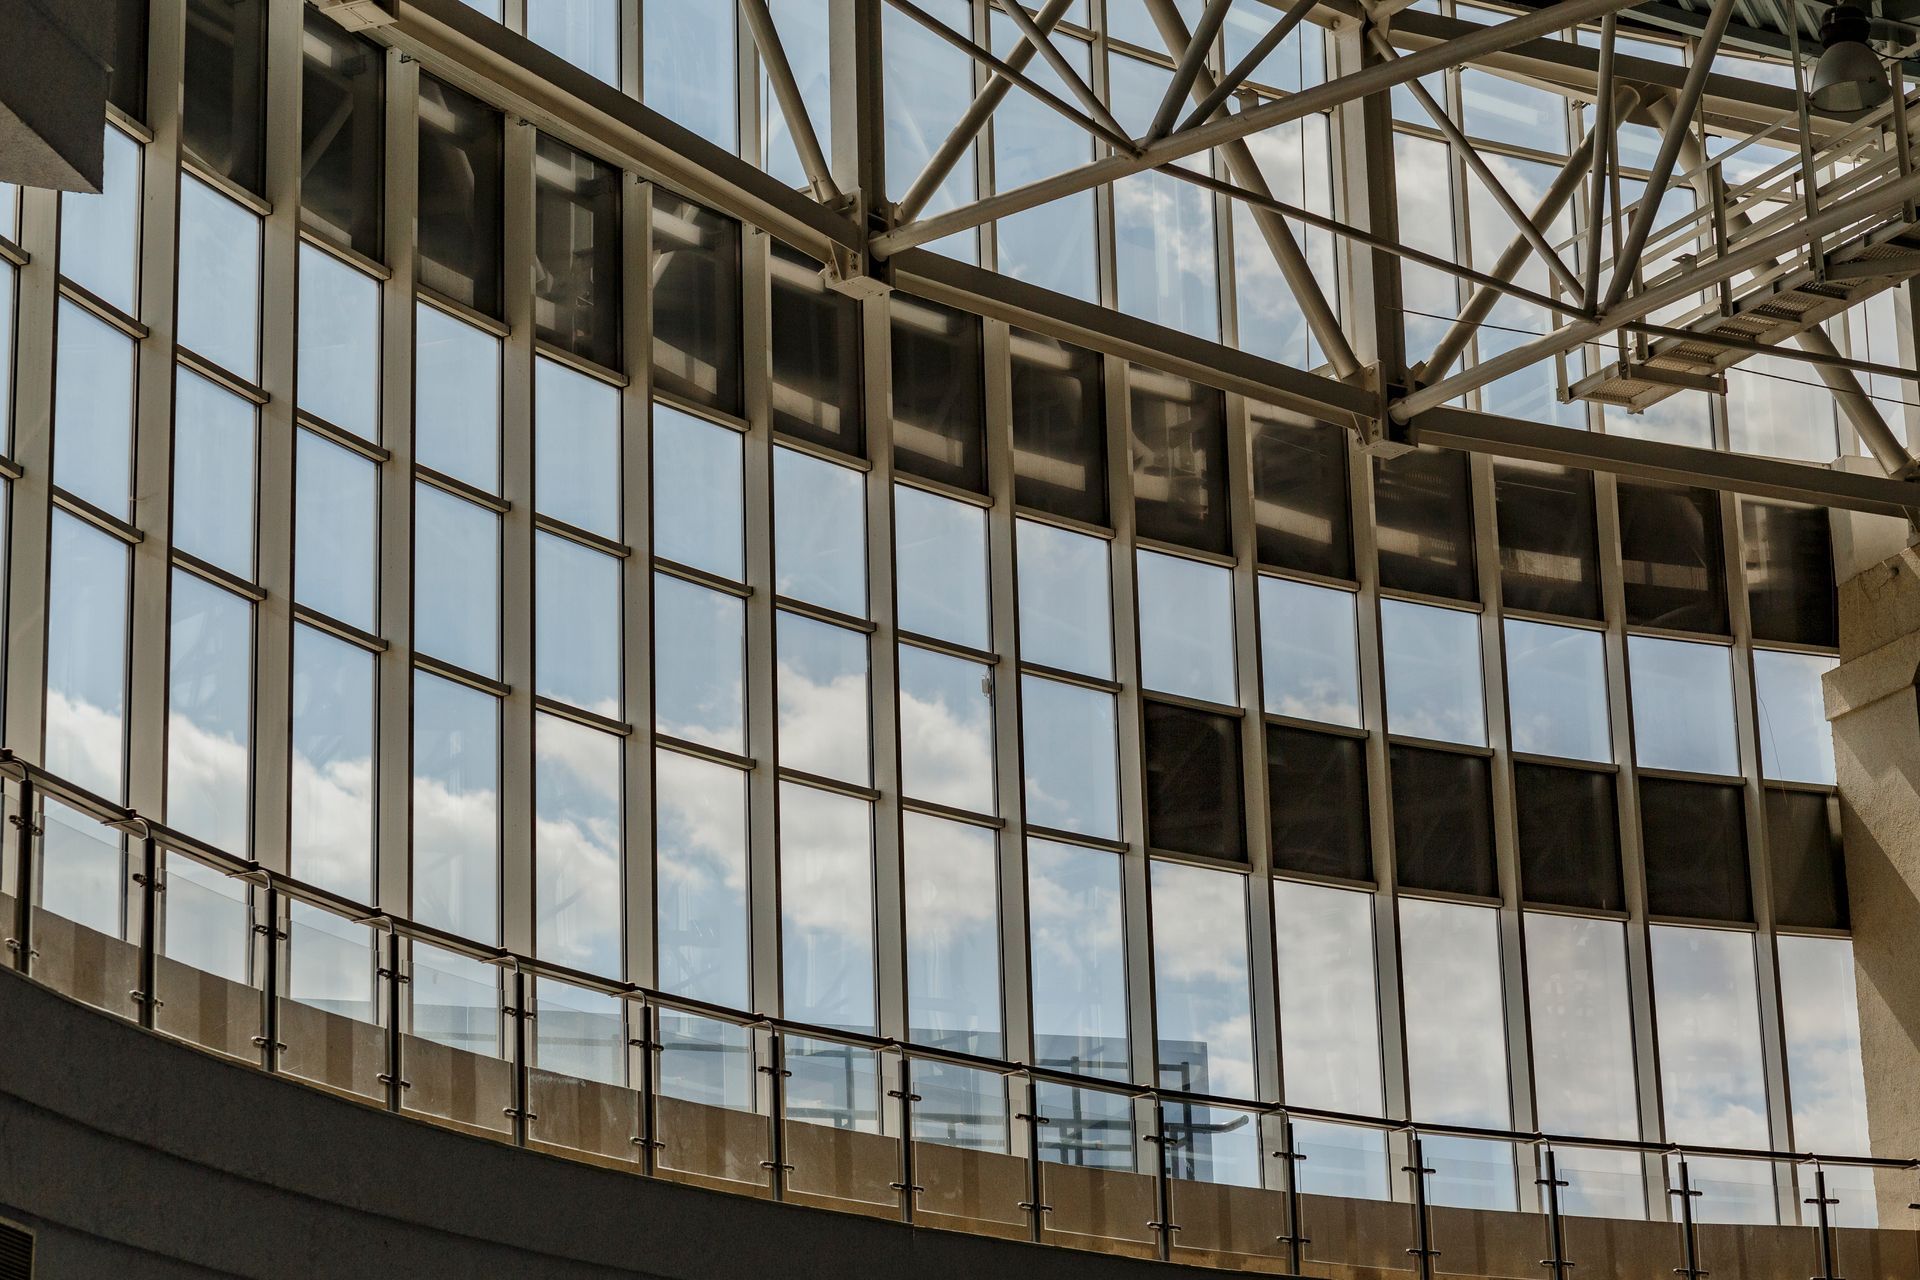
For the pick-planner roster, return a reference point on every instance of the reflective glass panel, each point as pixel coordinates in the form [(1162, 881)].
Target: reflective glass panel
[(928, 84), (822, 686), (1186, 627), (1549, 548), (1682, 705), (1432, 659), (1066, 605), (579, 1033), (1317, 798), (456, 808), (225, 82), (1179, 461), (576, 625), (460, 220), (213, 440), (576, 855), (700, 839), (1329, 1002), (815, 349), (576, 448), (1456, 1024), (1443, 821), (1051, 245), (1694, 839), (456, 398), (219, 279), (1791, 595), (1078, 943), (939, 409), (343, 128), (584, 32), (953, 935), (93, 411), (1423, 507), (86, 655), (1673, 557), (826, 908), (940, 553), (456, 1000), (946, 730), (1165, 269), (331, 833), (576, 249), (210, 713), (698, 506), (688, 60), (1557, 691), (1796, 743), (1300, 493), (1707, 1013), (336, 526), (1822, 1024), (696, 303), (1569, 834), (1309, 653), (1195, 801), (100, 235), (1059, 427), (1067, 733), (819, 532), (456, 582), (339, 344), (1203, 1009), (699, 665)]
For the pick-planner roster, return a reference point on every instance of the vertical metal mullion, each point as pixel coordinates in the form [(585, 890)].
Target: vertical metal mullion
[(636, 580), (763, 806), (279, 282), (36, 301), (630, 50), (889, 882), (517, 870), (394, 758)]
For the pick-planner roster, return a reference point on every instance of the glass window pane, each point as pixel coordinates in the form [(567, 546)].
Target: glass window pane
[(1059, 426), (1789, 570), (1549, 549), (1194, 787), (1822, 1023), (1456, 1021), (576, 246), (1065, 599), (456, 808), (339, 337), (941, 567), (456, 581), (1443, 822), (86, 656), (1068, 737), (584, 32), (210, 713), (1317, 795), (688, 61), (456, 398), (946, 730), (576, 625), (699, 664), (1309, 653), (1503, 110), (1707, 1014), (1078, 928), (1053, 245), (698, 503), (1297, 159), (127, 74), (1300, 493), (100, 234), (820, 532), (1423, 506), (1186, 628), (826, 908), (1674, 564), (1796, 743), (939, 409), (1432, 659), (460, 221), (1179, 461), (1202, 1001), (927, 85), (576, 819), (220, 120), (1165, 268), (1557, 691), (336, 527), (696, 303), (219, 279), (1809, 865), (331, 833), (700, 837), (1694, 837), (802, 27), (213, 440), (1569, 835), (816, 346), (1682, 706), (576, 448), (93, 411), (343, 134), (953, 935), (822, 685)]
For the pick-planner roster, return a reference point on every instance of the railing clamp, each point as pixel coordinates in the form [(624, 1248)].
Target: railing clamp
[(259, 1042)]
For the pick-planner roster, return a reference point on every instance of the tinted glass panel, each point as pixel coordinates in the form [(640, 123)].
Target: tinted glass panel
[(1809, 869), (1194, 800), (343, 134), (1317, 792), (1549, 552), (696, 303), (1423, 506), (1569, 837), (1300, 493), (220, 121), (576, 251), (460, 208), (1675, 569), (127, 78), (1442, 822), (1078, 948), (938, 410), (1695, 837), (816, 356), (1179, 461), (1790, 587), (1059, 430)]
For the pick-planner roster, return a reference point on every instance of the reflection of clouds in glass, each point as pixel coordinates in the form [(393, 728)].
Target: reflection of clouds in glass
[(699, 664), (1065, 599), (1329, 1007), (1067, 735), (826, 907), (1823, 1045), (577, 845), (1308, 651), (1582, 1026), (701, 870), (1432, 660), (953, 939), (1707, 1013), (822, 685), (456, 814), (946, 730), (1078, 958), (819, 532), (1296, 162), (1186, 627), (1201, 994), (332, 810), (1456, 1026), (207, 783), (84, 742)]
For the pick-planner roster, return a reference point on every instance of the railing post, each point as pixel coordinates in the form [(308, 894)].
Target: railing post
[(1162, 1182), (393, 1076), (1289, 1156), (1820, 1202), (1689, 1242), (1423, 1252), (775, 1069), (269, 1037), (520, 1016), (1033, 1204), (147, 996), (1556, 1260), (906, 1097), (26, 827), (648, 1043)]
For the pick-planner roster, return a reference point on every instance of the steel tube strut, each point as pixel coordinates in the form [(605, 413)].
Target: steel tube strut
[(973, 119), (1294, 268), (792, 105), (1603, 118), (1191, 61), (1378, 78), (1249, 63), (1064, 69), (1495, 188), (1628, 260)]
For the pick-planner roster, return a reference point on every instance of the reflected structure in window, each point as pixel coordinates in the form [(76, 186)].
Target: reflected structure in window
[(696, 303), (460, 219), (576, 247)]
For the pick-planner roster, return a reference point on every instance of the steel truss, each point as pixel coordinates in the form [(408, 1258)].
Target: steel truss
[(1843, 211)]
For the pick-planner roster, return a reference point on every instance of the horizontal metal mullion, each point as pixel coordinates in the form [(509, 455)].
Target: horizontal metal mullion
[(341, 436), (353, 635)]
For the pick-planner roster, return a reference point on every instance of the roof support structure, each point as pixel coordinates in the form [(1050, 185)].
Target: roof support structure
[(1250, 62), (1064, 69), (1602, 141), (1191, 61), (773, 56)]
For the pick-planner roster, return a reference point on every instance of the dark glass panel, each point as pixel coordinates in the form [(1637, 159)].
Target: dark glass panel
[(1193, 783), (1300, 493), (1696, 850), (939, 411), (226, 76), (460, 209), (696, 303), (1317, 792), (342, 135), (1179, 461), (1423, 512), (1569, 838), (1809, 871), (1549, 551), (1442, 822), (816, 356), (127, 80), (1059, 431), (1672, 559), (1790, 587), (576, 252)]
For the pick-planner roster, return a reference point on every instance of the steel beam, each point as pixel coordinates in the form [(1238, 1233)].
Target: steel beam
[(1249, 63), (773, 58), (1602, 140), (1192, 60), (1061, 67)]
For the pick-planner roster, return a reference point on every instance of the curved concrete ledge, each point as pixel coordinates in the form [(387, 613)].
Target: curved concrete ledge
[(130, 1155)]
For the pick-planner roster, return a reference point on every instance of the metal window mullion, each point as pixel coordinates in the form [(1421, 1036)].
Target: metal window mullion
[(148, 631), (636, 581), (393, 768), (889, 888), (1633, 867), (517, 855), (273, 564), (36, 302), (763, 806), (1016, 989)]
